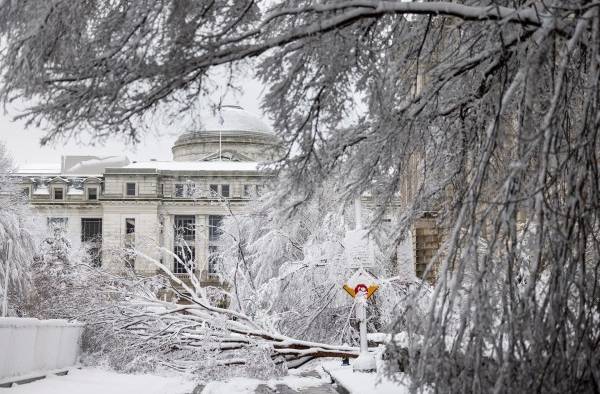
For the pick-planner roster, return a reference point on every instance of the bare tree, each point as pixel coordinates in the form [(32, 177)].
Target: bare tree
[(490, 108)]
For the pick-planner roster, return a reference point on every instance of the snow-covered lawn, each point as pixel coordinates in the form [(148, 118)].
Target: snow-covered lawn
[(99, 381)]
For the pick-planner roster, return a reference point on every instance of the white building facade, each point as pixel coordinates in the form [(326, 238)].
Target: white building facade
[(158, 208)]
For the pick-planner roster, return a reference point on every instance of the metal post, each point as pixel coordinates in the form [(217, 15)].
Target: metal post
[(361, 315), (6, 275), (365, 361)]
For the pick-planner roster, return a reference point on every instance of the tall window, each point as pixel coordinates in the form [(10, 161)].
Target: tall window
[(92, 193), (130, 226), (26, 191), (91, 234), (58, 193), (178, 190), (130, 188), (224, 190), (186, 257), (214, 189), (185, 234), (130, 242), (214, 227)]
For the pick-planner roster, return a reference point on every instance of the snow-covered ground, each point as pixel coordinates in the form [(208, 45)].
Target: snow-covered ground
[(249, 386), (99, 381), (293, 381), (364, 382), (312, 379)]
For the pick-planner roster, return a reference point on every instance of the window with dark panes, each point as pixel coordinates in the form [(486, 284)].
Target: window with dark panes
[(130, 188), (214, 189), (225, 190), (130, 226), (185, 234), (185, 227), (91, 235), (92, 193), (185, 260), (130, 243), (248, 192), (26, 191), (58, 193), (214, 227), (178, 190)]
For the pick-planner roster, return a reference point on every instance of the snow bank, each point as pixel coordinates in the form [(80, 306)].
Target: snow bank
[(32, 347)]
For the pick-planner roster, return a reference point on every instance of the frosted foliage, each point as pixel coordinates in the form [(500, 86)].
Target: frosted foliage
[(485, 111), (62, 276), (16, 225), (287, 271), (141, 323)]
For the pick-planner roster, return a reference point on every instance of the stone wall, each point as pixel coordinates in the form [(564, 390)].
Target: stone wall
[(146, 236), (115, 184)]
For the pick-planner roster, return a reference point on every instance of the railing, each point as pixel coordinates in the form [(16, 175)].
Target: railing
[(205, 278), (31, 348)]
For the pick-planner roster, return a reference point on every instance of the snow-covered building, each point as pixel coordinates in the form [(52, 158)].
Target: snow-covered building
[(160, 208)]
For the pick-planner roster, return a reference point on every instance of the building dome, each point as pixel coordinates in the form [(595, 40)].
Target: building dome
[(235, 118), (233, 134)]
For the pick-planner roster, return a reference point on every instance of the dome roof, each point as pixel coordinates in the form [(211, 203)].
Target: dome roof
[(235, 118), (232, 133)]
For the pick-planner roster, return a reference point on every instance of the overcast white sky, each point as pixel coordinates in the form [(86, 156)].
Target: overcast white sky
[(23, 144)]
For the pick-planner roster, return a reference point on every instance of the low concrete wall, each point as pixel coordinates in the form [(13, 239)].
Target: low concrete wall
[(32, 347)]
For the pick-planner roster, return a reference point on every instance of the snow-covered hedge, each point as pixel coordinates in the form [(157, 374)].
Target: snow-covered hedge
[(31, 347)]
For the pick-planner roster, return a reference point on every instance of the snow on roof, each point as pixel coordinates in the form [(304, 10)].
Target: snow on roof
[(41, 191), (75, 192), (39, 168), (207, 166), (97, 165), (235, 118), (74, 166)]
